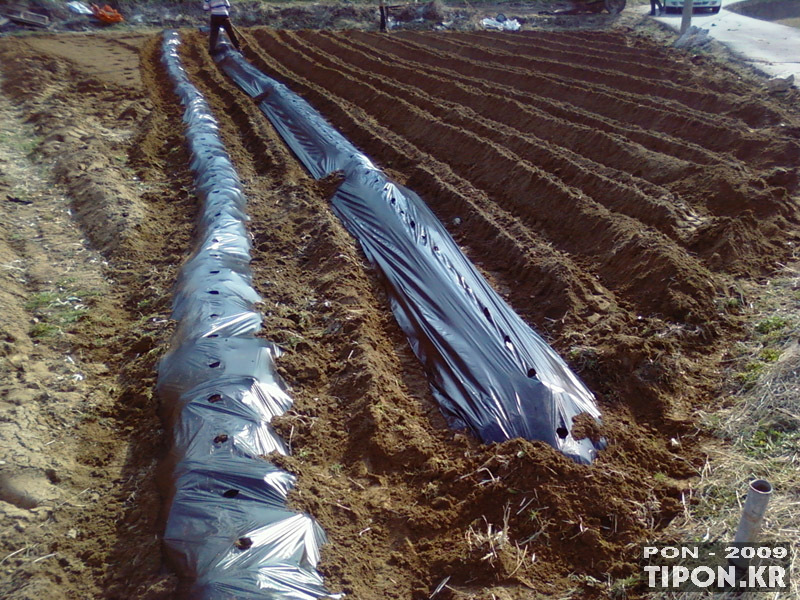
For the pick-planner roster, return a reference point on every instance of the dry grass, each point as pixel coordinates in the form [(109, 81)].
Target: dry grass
[(758, 437), (490, 539)]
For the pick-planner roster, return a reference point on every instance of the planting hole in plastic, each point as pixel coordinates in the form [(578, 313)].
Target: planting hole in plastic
[(221, 438), (531, 372), (230, 493), (243, 543), (214, 364), (562, 432), (215, 398)]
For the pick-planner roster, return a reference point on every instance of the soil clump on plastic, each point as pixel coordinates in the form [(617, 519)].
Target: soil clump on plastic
[(615, 192)]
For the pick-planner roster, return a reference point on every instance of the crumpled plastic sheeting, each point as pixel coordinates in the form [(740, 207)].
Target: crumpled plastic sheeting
[(197, 361), (488, 370), (229, 533), (230, 522), (504, 25)]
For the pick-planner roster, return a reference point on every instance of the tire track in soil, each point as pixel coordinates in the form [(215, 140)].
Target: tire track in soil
[(395, 493)]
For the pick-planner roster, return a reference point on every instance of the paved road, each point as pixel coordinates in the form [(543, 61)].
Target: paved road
[(770, 47)]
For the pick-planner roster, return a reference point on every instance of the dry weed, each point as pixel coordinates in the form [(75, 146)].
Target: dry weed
[(758, 438)]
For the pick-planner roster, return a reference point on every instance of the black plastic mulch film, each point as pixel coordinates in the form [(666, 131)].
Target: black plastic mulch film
[(488, 370), (229, 533)]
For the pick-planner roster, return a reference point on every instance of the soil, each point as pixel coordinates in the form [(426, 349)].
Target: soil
[(616, 192)]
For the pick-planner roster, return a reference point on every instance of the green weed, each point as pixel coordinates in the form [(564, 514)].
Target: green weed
[(749, 375), (25, 144), (770, 324), (769, 355), (771, 441), (41, 300), (57, 309), (44, 331)]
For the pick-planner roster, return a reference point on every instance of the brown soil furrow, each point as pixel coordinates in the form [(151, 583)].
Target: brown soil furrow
[(596, 39), (655, 66), (604, 241), (543, 283), (637, 109), (648, 323), (328, 310), (361, 404), (617, 189), (388, 530), (564, 111), (266, 153), (108, 146), (682, 180), (693, 97)]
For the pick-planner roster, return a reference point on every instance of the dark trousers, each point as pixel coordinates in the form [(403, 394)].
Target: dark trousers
[(223, 21), (655, 6)]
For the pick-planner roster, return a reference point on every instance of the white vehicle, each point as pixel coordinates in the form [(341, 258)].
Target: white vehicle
[(672, 6)]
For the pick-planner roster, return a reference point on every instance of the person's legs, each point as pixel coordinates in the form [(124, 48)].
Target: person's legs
[(213, 33), (229, 30)]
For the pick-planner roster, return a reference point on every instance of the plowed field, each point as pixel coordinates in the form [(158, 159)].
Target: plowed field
[(617, 193)]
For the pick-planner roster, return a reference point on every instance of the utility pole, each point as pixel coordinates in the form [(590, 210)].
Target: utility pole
[(686, 21)]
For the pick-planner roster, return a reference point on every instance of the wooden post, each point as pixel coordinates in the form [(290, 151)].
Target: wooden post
[(383, 15), (686, 21)]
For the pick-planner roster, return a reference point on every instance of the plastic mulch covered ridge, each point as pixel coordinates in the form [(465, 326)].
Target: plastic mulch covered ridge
[(487, 368), (229, 533)]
